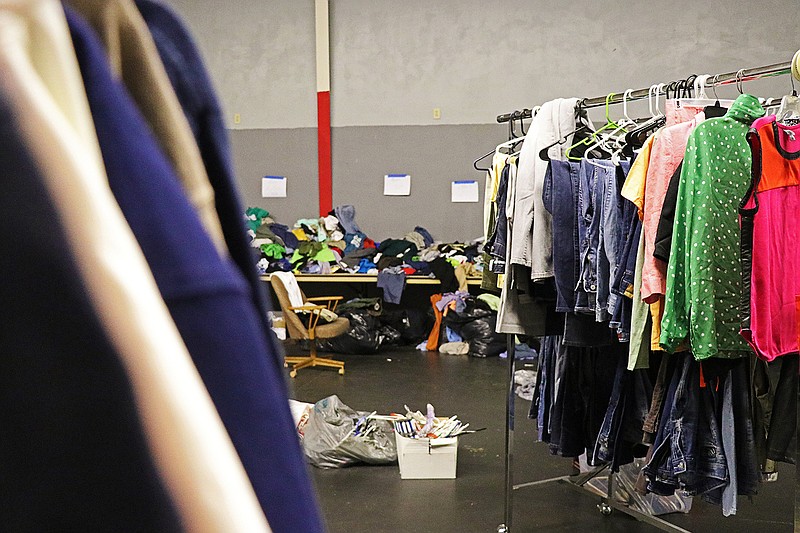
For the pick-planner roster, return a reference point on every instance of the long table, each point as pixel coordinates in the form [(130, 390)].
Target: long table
[(365, 278)]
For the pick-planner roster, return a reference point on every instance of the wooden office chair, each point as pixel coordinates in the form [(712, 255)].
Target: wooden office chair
[(307, 327)]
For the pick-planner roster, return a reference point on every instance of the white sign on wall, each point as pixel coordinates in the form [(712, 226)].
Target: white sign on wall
[(273, 187), (464, 191), (396, 185)]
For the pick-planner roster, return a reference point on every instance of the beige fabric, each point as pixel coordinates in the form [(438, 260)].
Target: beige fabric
[(296, 297), (134, 58), (192, 451)]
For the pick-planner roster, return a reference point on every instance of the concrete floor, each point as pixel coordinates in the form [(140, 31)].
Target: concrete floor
[(375, 499)]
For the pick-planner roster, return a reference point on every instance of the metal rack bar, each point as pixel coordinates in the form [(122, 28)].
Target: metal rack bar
[(741, 76), (508, 508)]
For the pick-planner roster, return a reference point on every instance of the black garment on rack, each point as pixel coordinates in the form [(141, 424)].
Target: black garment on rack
[(782, 437), (75, 457), (663, 244)]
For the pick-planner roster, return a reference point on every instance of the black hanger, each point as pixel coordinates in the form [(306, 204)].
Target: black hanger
[(523, 114), (636, 138), (475, 163), (581, 126), (672, 86), (544, 156), (689, 86), (716, 110)]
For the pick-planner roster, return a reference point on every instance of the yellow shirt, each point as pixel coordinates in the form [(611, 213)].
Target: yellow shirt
[(634, 186)]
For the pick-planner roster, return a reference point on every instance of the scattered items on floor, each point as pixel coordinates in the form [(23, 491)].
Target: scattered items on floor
[(415, 425), (522, 351), (277, 324), (525, 383), (334, 435), (454, 348)]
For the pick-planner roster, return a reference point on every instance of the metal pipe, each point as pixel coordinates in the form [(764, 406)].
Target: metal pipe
[(744, 75)]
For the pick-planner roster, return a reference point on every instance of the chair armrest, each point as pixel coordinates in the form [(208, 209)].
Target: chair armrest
[(331, 301), (307, 308)]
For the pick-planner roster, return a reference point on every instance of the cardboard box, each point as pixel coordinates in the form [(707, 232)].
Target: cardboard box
[(427, 458)]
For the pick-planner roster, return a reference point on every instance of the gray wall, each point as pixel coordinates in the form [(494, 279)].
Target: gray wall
[(393, 62)]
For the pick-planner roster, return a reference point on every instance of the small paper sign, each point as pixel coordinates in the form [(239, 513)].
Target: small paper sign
[(464, 192), (273, 187), (396, 185)]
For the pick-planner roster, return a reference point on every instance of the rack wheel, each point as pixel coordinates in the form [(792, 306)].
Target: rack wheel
[(293, 374), (502, 528), (604, 509)]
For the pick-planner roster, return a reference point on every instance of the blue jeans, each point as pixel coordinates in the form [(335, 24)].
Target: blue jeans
[(622, 285), (661, 482), (496, 245), (611, 238), (588, 238), (688, 452), (609, 431), (560, 196)]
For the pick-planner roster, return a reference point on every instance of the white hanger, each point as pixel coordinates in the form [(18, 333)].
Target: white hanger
[(660, 89), (702, 99), (629, 122), (650, 100), (507, 144), (700, 86), (625, 97), (789, 108)]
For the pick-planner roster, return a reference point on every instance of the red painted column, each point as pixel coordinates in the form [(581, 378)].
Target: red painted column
[(324, 152), (323, 107)]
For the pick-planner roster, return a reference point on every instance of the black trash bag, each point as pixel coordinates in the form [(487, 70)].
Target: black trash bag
[(362, 338), (391, 337), (473, 310), (414, 325), (476, 324), (329, 439), (482, 339)]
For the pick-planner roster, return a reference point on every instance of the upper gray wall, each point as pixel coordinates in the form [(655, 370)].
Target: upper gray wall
[(261, 58), (393, 62)]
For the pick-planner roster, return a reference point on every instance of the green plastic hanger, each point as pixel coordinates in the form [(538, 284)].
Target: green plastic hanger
[(594, 139)]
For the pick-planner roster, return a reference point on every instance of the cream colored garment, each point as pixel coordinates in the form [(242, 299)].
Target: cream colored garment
[(192, 451), (134, 58)]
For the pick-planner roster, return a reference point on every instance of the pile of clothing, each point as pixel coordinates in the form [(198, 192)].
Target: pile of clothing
[(335, 243)]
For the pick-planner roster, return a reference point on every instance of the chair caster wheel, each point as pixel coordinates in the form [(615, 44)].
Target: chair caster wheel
[(285, 365), (293, 374), (502, 528), (341, 371), (604, 509)]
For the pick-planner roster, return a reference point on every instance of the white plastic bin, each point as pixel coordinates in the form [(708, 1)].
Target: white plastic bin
[(427, 458)]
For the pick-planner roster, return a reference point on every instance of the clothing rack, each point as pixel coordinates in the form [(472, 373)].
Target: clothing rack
[(607, 503)]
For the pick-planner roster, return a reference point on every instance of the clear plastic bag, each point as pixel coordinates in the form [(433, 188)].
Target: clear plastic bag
[(330, 439)]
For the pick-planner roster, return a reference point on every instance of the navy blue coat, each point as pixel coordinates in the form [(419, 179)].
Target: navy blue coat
[(73, 451), (207, 296), (195, 92)]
